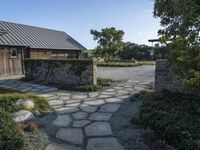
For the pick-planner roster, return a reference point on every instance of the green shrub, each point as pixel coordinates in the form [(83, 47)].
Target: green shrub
[(101, 83), (10, 139), (173, 117)]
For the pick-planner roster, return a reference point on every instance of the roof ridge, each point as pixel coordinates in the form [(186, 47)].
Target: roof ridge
[(31, 26)]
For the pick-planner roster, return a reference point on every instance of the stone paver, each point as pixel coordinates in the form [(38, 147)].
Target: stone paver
[(100, 116), (80, 123), (83, 118), (62, 121), (55, 146), (88, 108), (98, 129), (109, 108), (79, 115), (72, 135), (104, 144), (65, 110)]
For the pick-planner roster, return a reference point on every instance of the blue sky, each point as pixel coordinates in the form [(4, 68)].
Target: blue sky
[(78, 17)]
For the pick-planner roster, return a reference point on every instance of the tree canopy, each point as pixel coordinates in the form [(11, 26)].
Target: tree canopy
[(181, 22), (109, 41)]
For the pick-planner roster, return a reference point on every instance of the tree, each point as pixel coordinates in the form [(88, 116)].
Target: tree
[(181, 22), (109, 41), (138, 52)]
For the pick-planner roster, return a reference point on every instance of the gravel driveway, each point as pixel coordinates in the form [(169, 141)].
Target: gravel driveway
[(139, 73)]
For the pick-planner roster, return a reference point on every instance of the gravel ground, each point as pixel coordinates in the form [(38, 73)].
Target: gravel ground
[(128, 134), (140, 73), (37, 140)]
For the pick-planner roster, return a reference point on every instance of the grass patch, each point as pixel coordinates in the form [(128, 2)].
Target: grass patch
[(125, 63), (173, 117), (9, 97), (101, 83), (11, 135)]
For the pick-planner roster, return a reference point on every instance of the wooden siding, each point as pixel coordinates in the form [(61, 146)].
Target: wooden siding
[(54, 54), (10, 66), (39, 54)]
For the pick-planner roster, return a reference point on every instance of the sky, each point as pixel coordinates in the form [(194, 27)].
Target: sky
[(78, 17)]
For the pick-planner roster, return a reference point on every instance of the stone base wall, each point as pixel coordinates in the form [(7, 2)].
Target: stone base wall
[(165, 77), (61, 72)]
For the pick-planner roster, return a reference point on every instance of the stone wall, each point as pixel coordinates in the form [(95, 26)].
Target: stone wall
[(61, 72), (165, 77)]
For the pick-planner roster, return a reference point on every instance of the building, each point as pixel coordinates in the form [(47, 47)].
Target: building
[(18, 42)]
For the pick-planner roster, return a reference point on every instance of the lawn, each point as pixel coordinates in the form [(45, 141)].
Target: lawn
[(173, 118), (125, 63)]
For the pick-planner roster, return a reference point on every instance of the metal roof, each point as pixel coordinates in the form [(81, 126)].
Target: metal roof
[(36, 37)]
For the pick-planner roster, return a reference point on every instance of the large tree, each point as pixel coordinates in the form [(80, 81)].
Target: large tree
[(109, 41), (181, 22)]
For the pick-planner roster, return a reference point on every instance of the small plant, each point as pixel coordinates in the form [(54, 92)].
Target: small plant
[(31, 127), (10, 136)]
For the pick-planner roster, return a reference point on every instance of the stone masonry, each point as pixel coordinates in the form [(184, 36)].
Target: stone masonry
[(61, 72), (165, 77)]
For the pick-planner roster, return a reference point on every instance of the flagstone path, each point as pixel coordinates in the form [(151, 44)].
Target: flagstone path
[(82, 121)]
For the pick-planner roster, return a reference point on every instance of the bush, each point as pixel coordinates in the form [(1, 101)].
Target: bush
[(173, 117), (101, 83), (10, 139)]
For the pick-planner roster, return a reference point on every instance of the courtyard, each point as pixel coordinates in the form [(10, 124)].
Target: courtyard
[(82, 120)]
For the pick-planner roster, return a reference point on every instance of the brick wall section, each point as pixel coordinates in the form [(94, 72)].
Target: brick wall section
[(61, 72), (165, 78)]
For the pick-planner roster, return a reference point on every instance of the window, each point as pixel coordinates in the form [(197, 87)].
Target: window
[(13, 53)]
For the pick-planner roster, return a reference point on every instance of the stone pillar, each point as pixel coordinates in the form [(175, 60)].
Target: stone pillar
[(94, 70), (165, 77)]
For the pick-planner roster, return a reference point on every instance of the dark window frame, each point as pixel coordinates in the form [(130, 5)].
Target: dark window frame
[(13, 51)]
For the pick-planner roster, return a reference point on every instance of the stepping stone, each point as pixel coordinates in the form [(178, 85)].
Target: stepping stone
[(62, 121), (100, 116), (104, 144), (124, 96), (65, 110), (79, 96), (109, 108), (73, 104), (64, 98), (98, 129), (122, 92), (95, 102), (104, 96), (55, 146), (55, 102), (72, 135), (118, 88), (93, 94), (80, 115), (80, 123), (110, 90), (108, 93), (87, 108), (114, 100), (73, 101)]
